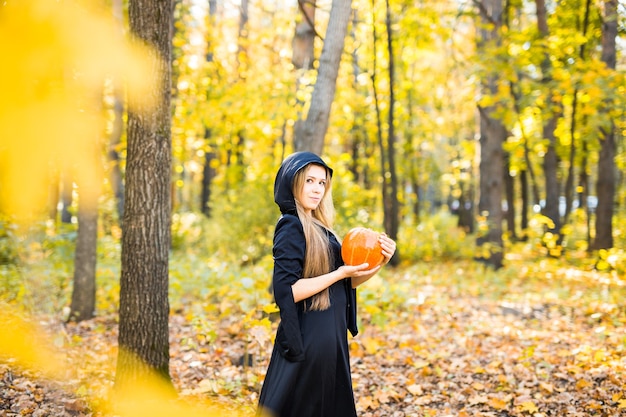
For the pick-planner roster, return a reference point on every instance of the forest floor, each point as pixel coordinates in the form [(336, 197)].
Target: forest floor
[(446, 352)]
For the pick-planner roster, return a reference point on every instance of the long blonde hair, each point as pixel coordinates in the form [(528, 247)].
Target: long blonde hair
[(318, 256)]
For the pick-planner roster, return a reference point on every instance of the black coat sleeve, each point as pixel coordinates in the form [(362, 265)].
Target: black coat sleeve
[(289, 250)]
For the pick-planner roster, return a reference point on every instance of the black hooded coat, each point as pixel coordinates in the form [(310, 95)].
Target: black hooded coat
[(309, 371)]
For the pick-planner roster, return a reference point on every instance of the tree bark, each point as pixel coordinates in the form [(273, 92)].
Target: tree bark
[(89, 183), (509, 187), (311, 136), (144, 306), (304, 37), (83, 302), (208, 171), (605, 186), (492, 137), (550, 159), (392, 205), (525, 204)]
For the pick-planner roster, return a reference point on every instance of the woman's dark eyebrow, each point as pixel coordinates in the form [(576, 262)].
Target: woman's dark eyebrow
[(315, 178)]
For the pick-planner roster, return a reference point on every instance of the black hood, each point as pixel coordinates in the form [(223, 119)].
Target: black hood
[(283, 185)]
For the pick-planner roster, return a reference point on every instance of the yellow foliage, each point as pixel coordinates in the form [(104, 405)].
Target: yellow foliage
[(26, 346), (154, 398), (529, 407), (57, 56), (24, 343)]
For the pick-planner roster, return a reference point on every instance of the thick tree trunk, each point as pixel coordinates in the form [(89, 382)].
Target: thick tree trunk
[(605, 186), (311, 136), (492, 137), (144, 306), (491, 168)]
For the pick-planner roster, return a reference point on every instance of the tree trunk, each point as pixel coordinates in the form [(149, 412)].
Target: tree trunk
[(311, 136), (492, 137), (569, 183), (84, 284), (550, 160), (377, 107), (208, 174), (304, 37), (525, 204), (509, 187), (83, 302), (491, 188), (67, 189), (392, 206), (605, 186), (208, 171), (583, 191), (144, 306)]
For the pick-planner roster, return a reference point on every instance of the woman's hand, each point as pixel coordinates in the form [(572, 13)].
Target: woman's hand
[(388, 246), (357, 271)]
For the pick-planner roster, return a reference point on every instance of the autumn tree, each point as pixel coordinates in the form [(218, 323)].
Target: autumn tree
[(551, 112), (144, 306), (311, 137), (304, 37), (85, 254), (209, 152), (606, 162), (492, 137)]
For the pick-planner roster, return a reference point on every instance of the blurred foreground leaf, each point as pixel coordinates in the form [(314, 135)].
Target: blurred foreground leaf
[(57, 56)]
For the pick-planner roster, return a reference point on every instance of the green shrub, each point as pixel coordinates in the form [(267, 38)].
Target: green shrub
[(437, 237), (242, 222)]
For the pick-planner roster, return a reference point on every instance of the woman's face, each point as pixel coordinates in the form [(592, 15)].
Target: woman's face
[(314, 187)]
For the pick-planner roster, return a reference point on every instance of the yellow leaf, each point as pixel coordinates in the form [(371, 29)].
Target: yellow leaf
[(582, 384), (367, 402), (371, 345), (498, 403), (621, 404), (546, 387), (529, 407), (271, 308), (478, 386)]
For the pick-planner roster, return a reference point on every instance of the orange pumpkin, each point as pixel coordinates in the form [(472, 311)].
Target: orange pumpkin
[(361, 245)]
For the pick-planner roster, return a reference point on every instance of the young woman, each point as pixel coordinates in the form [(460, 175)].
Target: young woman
[(309, 371)]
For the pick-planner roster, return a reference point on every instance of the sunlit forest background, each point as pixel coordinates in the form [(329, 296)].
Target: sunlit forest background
[(486, 137)]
